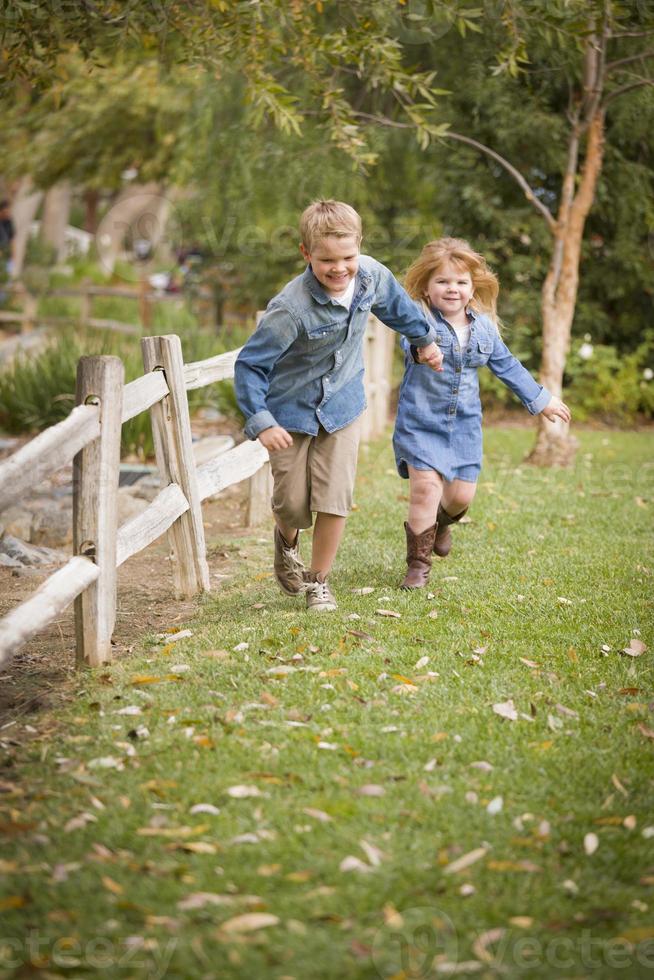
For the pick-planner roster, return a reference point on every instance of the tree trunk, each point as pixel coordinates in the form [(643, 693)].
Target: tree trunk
[(24, 206), (91, 201), (56, 213), (554, 444)]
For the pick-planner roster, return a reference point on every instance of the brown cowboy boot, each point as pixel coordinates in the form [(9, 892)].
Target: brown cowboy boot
[(443, 538), (418, 557)]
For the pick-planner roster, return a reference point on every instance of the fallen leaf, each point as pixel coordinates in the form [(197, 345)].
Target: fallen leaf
[(366, 590), (644, 730), (479, 947), (465, 861), (205, 808), (317, 814), (373, 853), (527, 866), (371, 789), (635, 649), (591, 843), (506, 709), (12, 902), (482, 764), (389, 613), (199, 899), (618, 785), (111, 885), (522, 921), (495, 805), (241, 792), (352, 863)]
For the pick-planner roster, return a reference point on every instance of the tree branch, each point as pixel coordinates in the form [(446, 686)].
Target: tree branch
[(627, 88), (626, 61), (529, 193)]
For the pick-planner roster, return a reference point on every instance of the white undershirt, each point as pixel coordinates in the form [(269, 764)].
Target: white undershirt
[(463, 334), (345, 299)]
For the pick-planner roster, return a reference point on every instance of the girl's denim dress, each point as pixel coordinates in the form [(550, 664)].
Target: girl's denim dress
[(438, 425)]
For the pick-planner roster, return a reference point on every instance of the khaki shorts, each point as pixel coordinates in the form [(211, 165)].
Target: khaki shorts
[(316, 474)]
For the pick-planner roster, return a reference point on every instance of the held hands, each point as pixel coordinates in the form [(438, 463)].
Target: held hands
[(275, 438), (432, 356), (557, 409)]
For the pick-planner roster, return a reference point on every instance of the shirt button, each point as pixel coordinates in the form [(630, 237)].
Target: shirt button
[(455, 391), (458, 370)]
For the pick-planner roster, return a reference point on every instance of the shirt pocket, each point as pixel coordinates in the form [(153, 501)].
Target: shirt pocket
[(479, 352), (322, 334), (443, 339)]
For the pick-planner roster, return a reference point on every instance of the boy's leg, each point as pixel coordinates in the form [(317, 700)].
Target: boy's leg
[(327, 533), (291, 511), (332, 470)]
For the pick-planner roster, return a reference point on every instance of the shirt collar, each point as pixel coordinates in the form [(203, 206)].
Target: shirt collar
[(317, 291)]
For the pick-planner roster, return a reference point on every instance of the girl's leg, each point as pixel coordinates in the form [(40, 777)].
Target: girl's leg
[(457, 496), (327, 533), (425, 489)]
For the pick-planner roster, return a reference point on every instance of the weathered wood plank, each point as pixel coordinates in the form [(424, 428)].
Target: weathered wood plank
[(143, 393), (171, 430), (47, 452), (140, 531), (201, 373), (95, 506), (49, 600), (230, 467), (261, 488)]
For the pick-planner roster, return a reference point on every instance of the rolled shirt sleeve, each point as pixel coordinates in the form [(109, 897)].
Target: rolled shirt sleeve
[(274, 335)]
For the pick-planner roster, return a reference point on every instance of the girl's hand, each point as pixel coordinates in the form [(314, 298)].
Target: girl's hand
[(557, 409), (275, 438), (431, 355)]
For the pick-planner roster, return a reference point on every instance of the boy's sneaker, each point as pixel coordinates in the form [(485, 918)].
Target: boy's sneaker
[(289, 568), (319, 595)]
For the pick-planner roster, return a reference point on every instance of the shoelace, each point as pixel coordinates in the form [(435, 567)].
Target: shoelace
[(320, 591), (292, 559)]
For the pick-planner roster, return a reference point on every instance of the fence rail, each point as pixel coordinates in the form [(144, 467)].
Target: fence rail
[(90, 437)]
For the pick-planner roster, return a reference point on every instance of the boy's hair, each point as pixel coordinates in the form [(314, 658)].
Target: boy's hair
[(457, 251), (323, 218)]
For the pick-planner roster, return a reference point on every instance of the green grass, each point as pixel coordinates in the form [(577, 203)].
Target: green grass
[(103, 899)]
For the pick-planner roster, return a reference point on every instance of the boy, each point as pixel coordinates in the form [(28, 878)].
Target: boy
[(299, 383)]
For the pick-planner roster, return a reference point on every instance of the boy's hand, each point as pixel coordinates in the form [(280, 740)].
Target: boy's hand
[(557, 409), (275, 438), (432, 356)]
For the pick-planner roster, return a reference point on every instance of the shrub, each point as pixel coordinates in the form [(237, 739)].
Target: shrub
[(40, 391)]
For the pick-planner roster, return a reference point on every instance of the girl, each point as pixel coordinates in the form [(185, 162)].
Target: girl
[(437, 438)]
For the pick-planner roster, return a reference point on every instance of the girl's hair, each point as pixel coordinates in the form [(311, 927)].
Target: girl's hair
[(457, 251)]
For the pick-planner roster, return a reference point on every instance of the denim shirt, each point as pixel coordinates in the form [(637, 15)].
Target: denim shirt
[(439, 415), (302, 368)]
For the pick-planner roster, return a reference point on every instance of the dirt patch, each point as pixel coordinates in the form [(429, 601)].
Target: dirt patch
[(43, 674)]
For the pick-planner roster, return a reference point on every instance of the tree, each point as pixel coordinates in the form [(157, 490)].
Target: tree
[(595, 52)]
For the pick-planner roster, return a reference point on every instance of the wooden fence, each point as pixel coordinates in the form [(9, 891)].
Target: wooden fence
[(144, 296), (90, 436)]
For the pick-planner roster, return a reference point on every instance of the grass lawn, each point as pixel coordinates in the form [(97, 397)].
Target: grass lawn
[(365, 811)]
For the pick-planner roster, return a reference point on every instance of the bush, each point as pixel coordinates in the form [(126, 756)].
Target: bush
[(40, 391), (600, 383)]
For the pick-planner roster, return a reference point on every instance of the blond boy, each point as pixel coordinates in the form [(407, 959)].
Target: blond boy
[(299, 383)]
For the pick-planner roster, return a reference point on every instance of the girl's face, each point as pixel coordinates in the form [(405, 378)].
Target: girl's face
[(450, 289)]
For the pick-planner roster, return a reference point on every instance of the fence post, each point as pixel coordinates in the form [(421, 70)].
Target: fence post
[(95, 506), (171, 431), (260, 492)]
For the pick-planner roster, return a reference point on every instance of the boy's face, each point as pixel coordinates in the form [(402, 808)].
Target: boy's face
[(334, 262)]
